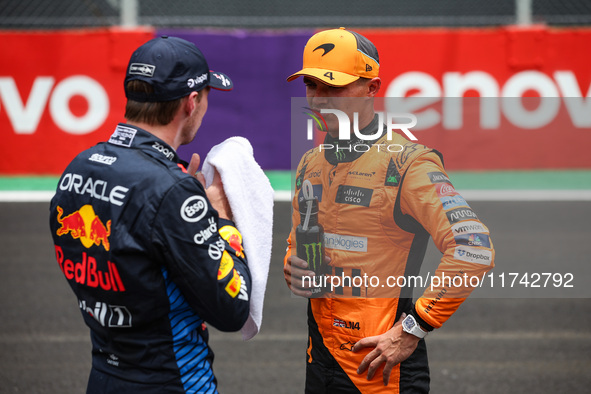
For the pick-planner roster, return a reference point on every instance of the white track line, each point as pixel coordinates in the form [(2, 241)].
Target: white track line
[(285, 195)]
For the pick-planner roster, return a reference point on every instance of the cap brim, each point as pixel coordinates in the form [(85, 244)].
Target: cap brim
[(329, 77), (220, 81)]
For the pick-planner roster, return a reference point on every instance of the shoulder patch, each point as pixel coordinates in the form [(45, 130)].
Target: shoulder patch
[(231, 235), (392, 175)]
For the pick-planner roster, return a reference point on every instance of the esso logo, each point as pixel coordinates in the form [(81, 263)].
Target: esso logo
[(25, 114), (194, 209)]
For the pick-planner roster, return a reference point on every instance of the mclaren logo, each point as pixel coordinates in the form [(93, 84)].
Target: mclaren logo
[(327, 48)]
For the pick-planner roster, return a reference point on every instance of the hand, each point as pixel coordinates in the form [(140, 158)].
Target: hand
[(391, 348), (215, 191), (293, 271)]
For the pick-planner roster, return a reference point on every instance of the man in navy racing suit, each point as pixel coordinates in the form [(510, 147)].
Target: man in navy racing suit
[(143, 245)]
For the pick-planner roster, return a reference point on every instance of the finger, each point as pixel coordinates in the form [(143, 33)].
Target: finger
[(374, 366), (297, 262), (387, 372), (365, 342), (300, 292), (194, 164), (217, 179), (401, 318), (200, 178), (367, 360)]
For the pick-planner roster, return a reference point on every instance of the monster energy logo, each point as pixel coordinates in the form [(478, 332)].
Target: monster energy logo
[(316, 250), (339, 154)]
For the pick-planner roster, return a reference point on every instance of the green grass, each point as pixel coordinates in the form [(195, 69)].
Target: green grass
[(463, 180)]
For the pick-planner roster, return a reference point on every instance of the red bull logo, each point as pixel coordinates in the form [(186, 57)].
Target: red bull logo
[(234, 238), (86, 226), (87, 271)]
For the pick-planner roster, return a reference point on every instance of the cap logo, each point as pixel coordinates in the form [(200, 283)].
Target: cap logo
[(368, 67), (146, 70), (327, 48), (225, 81), (192, 82)]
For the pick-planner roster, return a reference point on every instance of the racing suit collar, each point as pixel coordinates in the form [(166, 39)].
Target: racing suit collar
[(129, 136), (344, 151)]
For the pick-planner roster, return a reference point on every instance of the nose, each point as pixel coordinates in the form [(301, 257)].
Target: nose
[(318, 95)]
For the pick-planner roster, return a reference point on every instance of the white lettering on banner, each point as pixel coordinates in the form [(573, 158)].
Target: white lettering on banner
[(506, 99), (24, 115)]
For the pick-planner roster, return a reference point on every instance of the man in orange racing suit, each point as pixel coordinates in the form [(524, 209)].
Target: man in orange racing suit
[(379, 201)]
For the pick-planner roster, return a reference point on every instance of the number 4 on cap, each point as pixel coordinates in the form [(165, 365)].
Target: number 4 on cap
[(329, 75)]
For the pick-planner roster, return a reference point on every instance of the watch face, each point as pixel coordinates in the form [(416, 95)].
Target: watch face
[(409, 323)]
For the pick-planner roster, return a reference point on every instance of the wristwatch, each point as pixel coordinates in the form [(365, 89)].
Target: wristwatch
[(410, 325)]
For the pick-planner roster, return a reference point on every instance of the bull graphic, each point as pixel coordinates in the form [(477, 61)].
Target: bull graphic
[(73, 223), (98, 232)]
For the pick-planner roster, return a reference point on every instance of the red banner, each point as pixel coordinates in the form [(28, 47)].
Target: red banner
[(526, 93), (58, 91), (61, 92)]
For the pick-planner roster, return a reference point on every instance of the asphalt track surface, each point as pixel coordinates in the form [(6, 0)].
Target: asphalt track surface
[(499, 345)]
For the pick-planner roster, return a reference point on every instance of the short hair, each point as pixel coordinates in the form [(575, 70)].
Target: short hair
[(152, 113)]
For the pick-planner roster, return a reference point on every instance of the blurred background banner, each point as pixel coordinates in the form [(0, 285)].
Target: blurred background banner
[(495, 85)]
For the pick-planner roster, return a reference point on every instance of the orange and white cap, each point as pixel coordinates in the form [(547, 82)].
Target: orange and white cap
[(339, 57)]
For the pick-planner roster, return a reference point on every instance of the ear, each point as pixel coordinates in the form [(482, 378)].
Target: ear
[(191, 103), (373, 87)]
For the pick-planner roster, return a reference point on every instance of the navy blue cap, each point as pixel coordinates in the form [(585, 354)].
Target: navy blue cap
[(174, 67)]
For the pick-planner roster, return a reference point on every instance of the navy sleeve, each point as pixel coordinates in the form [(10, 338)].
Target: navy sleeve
[(204, 256)]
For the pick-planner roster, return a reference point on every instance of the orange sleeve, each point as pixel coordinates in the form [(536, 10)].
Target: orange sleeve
[(295, 216), (468, 254)]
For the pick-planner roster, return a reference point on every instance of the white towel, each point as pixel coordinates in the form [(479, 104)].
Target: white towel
[(250, 196)]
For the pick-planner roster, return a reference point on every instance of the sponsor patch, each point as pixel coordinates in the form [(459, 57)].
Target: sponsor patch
[(354, 195), (234, 238), (233, 286), (392, 175), (457, 215), (215, 249), (345, 324), (226, 265), (192, 82), (147, 70), (471, 226), (438, 177), (473, 255), (445, 190), (85, 225), (97, 157), (207, 232), (453, 202), (194, 209), (122, 136), (361, 175), (345, 242), (314, 174), (316, 192), (473, 239)]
